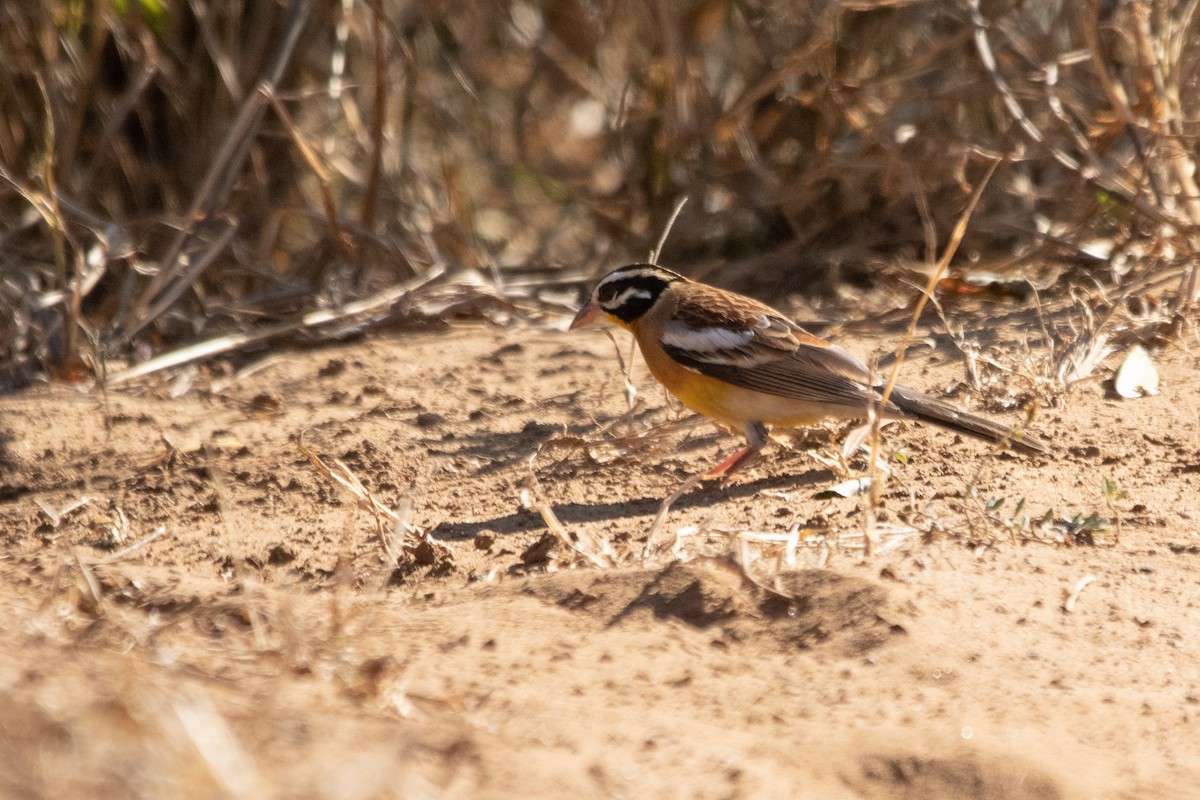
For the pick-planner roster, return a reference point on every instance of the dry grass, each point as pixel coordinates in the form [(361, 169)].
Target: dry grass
[(208, 171), (190, 181)]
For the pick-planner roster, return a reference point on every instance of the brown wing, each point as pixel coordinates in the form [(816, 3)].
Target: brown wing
[(749, 344)]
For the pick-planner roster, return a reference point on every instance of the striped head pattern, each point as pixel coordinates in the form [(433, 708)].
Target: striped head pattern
[(628, 292)]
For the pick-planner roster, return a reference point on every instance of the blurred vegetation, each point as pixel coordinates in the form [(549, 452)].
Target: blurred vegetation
[(171, 171)]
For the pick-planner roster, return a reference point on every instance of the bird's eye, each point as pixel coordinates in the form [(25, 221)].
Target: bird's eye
[(606, 293)]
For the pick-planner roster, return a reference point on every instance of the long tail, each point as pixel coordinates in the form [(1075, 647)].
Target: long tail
[(916, 405)]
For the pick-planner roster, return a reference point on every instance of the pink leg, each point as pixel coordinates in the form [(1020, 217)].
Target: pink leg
[(756, 438)]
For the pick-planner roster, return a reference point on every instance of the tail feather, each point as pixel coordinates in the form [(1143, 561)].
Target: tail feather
[(915, 405)]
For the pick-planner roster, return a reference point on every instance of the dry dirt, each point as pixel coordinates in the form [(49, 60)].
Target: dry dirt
[(219, 619)]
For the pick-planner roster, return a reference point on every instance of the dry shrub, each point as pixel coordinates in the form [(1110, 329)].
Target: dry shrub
[(172, 172)]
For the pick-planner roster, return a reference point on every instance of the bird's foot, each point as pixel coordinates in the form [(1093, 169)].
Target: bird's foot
[(709, 479), (721, 472)]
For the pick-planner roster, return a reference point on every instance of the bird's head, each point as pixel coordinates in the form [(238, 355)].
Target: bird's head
[(625, 294)]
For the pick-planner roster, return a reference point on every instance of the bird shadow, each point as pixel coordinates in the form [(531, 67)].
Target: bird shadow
[(704, 496)]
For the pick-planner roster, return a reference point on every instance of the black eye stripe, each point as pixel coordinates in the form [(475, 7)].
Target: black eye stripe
[(637, 286), (629, 292)]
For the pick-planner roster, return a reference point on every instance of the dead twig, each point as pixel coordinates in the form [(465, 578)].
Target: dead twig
[(595, 550), (368, 308), (342, 475), (662, 239), (154, 535), (875, 411), (653, 545), (1073, 596), (378, 115), (337, 233)]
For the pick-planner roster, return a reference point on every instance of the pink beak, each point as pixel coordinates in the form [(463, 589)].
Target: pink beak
[(586, 316)]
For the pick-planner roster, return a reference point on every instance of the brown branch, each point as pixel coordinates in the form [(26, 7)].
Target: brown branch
[(379, 114), (336, 232)]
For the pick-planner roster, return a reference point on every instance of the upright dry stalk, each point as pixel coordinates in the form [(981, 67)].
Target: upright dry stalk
[(1160, 81), (875, 412)]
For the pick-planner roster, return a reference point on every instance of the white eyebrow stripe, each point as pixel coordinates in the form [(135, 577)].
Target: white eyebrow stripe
[(623, 297), (703, 340)]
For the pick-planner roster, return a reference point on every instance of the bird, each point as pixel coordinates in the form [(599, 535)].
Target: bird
[(742, 363)]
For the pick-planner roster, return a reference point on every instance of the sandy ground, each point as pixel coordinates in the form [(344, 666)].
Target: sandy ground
[(261, 644)]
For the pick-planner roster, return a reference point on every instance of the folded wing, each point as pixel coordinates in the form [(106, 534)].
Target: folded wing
[(752, 346)]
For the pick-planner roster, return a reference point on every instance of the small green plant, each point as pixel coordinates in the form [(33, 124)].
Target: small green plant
[(1112, 495), (1082, 528)]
